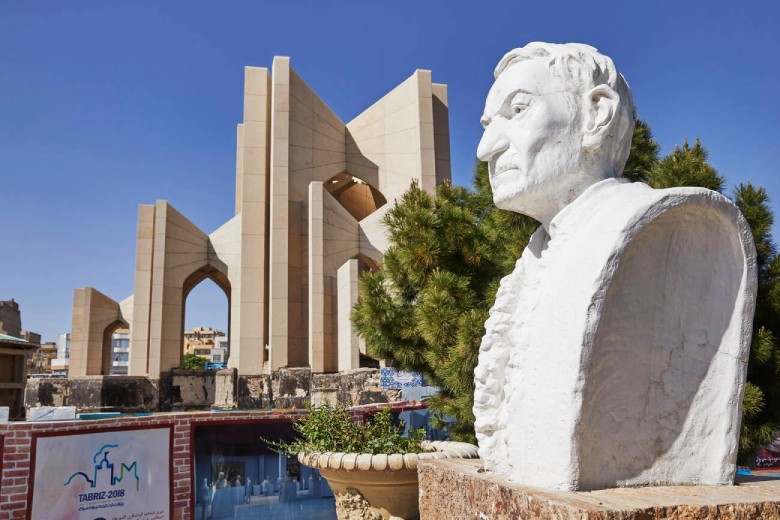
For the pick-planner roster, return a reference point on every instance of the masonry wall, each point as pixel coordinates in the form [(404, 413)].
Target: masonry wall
[(189, 390)]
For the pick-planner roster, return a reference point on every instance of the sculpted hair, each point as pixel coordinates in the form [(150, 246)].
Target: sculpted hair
[(585, 67)]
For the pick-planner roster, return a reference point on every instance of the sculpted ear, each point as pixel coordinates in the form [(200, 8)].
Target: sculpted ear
[(601, 103)]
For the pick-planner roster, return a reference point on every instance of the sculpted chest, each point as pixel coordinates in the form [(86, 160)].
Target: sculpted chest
[(625, 352)]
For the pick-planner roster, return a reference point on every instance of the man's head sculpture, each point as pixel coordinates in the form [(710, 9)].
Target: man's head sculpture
[(558, 119)]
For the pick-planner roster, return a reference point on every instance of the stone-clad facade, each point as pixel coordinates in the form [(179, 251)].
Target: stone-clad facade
[(311, 192)]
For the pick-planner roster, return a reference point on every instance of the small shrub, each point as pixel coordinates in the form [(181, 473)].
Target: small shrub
[(329, 428), (193, 362)]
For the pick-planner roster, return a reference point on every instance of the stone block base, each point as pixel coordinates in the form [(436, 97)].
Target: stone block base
[(454, 489), (187, 390)]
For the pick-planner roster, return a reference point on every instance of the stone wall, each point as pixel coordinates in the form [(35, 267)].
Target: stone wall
[(354, 388), (182, 390), (460, 489), (96, 393), (193, 389)]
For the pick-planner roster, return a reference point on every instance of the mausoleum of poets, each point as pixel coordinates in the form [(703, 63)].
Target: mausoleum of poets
[(311, 192)]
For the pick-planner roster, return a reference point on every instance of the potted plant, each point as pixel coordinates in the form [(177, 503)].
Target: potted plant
[(371, 468)]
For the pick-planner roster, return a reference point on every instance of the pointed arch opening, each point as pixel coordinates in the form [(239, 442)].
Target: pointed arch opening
[(110, 356), (205, 319)]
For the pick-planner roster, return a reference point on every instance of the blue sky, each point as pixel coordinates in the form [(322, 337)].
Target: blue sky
[(107, 105)]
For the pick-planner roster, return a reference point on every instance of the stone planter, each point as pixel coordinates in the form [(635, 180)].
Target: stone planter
[(379, 487)]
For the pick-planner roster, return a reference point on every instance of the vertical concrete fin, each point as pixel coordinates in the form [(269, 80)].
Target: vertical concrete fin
[(239, 166), (441, 132), (142, 292), (77, 366), (316, 279), (249, 318), (279, 211)]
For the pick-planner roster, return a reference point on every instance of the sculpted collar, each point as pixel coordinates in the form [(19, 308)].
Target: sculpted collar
[(560, 220)]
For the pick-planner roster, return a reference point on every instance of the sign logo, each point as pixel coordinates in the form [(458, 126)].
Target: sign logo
[(106, 476)]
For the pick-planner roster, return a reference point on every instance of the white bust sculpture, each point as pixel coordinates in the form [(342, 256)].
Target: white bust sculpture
[(616, 351)]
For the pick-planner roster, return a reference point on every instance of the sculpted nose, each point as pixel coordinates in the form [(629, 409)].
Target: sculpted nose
[(493, 141)]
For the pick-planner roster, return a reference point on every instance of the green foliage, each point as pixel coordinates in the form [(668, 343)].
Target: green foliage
[(754, 204), (329, 428), (685, 167), (426, 307), (644, 153), (761, 404), (193, 362)]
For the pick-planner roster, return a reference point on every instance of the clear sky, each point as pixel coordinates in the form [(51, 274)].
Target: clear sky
[(107, 105)]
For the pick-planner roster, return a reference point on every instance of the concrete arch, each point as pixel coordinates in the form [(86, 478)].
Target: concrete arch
[(350, 351), (174, 258), (95, 318)]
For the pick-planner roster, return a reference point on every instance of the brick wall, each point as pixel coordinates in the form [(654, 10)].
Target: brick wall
[(16, 444)]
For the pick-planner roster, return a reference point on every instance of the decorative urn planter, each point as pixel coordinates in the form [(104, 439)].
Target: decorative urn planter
[(380, 486)]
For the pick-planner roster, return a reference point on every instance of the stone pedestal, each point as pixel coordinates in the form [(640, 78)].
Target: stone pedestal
[(455, 489)]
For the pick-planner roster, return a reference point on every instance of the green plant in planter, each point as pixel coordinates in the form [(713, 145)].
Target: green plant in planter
[(329, 428)]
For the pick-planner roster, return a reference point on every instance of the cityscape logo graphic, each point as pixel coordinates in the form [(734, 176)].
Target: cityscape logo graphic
[(105, 472)]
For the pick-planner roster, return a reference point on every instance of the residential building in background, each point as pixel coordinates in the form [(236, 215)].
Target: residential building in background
[(35, 363), (206, 343), (10, 318), (40, 360), (219, 354), (59, 365), (30, 337), (120, 352)]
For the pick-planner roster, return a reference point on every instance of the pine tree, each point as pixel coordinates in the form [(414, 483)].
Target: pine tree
[(425, 308), (644, 153), (761, 404), (686, 167)]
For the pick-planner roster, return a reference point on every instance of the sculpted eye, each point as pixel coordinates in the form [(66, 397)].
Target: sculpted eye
[(518, 108)]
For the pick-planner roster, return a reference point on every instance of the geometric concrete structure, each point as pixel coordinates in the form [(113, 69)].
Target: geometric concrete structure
[(310, 195), (616, 351), (95, 318)]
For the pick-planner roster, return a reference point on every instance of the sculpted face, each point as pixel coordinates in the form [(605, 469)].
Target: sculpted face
[(533, 141)]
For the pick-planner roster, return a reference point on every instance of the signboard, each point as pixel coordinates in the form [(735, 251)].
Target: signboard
[(394, 378), (111, 475)]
